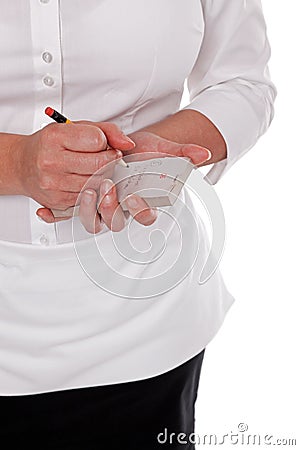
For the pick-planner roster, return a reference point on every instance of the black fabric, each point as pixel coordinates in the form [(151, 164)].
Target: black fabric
[(121, 416)]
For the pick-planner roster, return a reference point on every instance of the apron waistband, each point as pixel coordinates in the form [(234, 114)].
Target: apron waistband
[(18, 253)]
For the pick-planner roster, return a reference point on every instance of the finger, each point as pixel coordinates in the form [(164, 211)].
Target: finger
[(198, 155), (82, 138), (161, 148), (140, 211), (89, 163), (74, 182), (47, 215), (88, 213), (144, 156), (109, 208), (60, 200), (116, 138), (154, 146)]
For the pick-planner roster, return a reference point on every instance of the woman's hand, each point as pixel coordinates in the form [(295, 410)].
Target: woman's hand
[(59, 160), (148, 145), (63, 161)]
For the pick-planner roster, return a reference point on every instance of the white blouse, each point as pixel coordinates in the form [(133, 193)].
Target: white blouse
[(125, 62)]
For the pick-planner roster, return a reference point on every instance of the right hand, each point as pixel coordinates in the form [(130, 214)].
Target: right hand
[(57, 161)]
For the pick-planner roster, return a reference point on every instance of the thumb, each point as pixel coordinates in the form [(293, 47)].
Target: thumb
[(198, 154), (47, 215)]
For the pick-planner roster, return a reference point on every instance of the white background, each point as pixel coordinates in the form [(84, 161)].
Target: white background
[(250, 372)]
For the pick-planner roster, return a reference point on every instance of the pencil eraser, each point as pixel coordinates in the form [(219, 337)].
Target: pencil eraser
[(49, 111)]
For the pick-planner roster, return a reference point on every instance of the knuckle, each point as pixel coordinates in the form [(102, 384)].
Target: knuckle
[(50, 133), (102, 161), (112, 155), (45, 162), (67, 183), (45, 182), (60, 184), (106, 206), (71, 199)]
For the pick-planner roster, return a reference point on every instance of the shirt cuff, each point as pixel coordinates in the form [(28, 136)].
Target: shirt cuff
[(233, 117)]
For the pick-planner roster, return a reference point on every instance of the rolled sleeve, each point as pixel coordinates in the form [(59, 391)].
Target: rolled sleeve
[(230, 82)]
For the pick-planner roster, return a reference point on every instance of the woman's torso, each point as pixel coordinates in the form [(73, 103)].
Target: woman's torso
[(119, 61)]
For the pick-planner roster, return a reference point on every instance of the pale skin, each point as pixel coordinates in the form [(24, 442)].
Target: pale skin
[(54, 164)]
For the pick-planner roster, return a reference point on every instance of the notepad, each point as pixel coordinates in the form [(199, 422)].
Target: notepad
[(158, 181)]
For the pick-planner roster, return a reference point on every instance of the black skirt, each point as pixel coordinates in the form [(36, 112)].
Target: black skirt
[(141, 415)]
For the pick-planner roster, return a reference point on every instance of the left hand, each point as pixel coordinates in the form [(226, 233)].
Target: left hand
[(147, 146)]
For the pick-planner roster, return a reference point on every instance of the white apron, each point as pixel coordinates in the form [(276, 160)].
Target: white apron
[(60, 330)]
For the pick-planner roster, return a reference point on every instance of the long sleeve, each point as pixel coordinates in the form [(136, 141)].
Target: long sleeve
[(230, 82)]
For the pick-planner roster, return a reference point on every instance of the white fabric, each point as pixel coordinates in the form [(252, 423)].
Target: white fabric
[(124, 62), (59, 330)]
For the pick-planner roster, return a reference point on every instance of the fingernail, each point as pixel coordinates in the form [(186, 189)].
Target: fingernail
[(128, 139), (132, 202), (119, 153), (40, 218), (88, 197), (105, 186), (208, 153)]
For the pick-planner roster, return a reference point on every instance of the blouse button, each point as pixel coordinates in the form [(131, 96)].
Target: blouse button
[(48, 81), (47, 57), (44, 240)]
